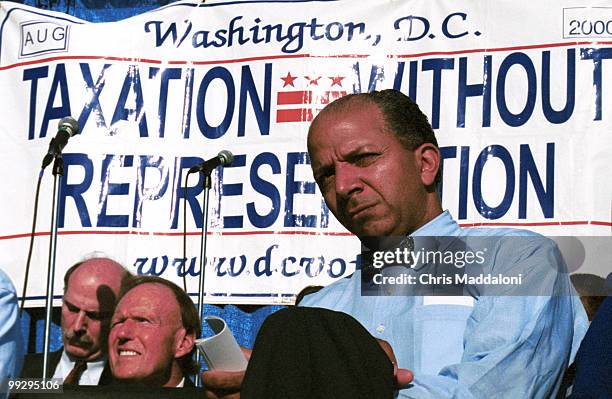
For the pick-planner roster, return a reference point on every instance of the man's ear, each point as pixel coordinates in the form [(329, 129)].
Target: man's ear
[(184, 343), (428, 161)]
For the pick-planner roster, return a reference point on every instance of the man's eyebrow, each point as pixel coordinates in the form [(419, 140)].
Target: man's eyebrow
[(70, 304), (142, 315), (349, 156), (99, 313), (321, 170), (364, 147), (73, 306)]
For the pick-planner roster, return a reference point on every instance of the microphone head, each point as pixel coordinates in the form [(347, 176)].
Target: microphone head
[(226, 157), (69, 124)]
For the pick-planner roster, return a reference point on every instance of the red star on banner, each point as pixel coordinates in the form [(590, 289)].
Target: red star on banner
[(313, 81), (289, 80), (336, 80)]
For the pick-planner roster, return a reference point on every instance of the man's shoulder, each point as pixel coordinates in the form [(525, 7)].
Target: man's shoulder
[(33, 362), (5, 283), (34, 358), (478, 231), (509, 241), (446, 225), (332, 295)]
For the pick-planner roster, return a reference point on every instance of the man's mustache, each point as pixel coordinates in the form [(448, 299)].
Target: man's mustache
[(78, 339)]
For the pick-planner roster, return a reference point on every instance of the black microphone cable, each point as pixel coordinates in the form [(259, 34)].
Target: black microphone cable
[(32, 235), (66, 128)]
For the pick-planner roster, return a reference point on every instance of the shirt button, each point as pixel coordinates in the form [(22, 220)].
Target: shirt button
[(380, 329)]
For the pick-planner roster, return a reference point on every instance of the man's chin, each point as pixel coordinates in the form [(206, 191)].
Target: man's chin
[(372, 229), (381, 242)]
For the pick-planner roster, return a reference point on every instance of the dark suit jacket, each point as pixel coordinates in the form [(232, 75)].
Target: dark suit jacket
[(33, 364)]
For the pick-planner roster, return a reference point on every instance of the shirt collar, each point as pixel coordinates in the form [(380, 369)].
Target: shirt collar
[(91, 376), (436, 235), (100, 362), (441, 225)]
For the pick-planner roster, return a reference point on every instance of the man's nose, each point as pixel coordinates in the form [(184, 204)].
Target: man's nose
[(123, 330), (347, 179), (80, 323)]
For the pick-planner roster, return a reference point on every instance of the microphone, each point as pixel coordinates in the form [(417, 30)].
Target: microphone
[(66, 128), (224, 158)]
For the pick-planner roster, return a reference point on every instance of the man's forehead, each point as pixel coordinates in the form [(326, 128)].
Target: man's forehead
[(363, 114), (82, 298), (148, 299), (96, 272), (342, 151), (342, 138), (136, 306), (91, 291)]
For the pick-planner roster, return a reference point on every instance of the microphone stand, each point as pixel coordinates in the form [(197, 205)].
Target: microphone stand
[(203, 239), (58, 172)]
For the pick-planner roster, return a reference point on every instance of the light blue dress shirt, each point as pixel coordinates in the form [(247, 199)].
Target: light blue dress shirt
[(11, 347), (476, 346)]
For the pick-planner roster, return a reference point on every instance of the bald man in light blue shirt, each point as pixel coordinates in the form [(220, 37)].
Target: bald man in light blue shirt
[(376, 161)]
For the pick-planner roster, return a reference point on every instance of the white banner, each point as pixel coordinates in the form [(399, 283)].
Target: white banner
[(521, 106)]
